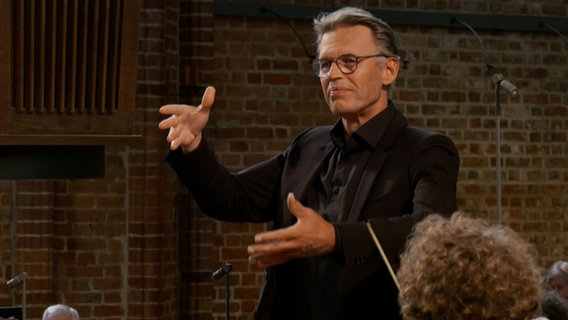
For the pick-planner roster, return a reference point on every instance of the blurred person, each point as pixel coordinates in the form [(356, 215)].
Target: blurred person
[(554, 307), (60, 312), (557, 278), (370, 167), (461, 268)]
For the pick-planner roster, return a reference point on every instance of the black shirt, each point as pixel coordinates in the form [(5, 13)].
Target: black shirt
[(333, 192), (331, 196)]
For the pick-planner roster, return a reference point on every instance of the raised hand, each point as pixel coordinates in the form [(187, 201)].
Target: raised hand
[(311, 235), (186, 122)]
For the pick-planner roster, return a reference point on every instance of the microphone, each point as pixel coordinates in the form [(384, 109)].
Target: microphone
[(226, 268), (505, 85), (17, 280), (510, 88)]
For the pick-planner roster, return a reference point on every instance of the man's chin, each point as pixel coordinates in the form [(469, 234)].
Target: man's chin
[(340, 109)]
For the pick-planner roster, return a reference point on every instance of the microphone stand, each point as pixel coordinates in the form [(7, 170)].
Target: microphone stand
[(499, 82), (498, 147), (225, 270), (545, 25), (511, 90), (227, 292), (14, 282), (310, 56), (24, 301)]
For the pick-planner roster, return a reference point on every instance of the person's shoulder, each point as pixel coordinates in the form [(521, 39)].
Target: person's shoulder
[(422, 136), (422, 132), (319, 132), (417, 139)]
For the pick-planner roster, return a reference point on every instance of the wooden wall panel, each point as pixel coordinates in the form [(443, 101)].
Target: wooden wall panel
[(72, 61)]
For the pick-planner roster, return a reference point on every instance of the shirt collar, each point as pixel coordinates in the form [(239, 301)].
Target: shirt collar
[(370, 132)]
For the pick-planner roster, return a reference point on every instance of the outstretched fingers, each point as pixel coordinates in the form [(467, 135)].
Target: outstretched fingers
[(186, 122), (173, 110)]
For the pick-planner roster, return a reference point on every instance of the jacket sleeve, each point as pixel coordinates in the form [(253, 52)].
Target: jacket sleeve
[(246, 196)]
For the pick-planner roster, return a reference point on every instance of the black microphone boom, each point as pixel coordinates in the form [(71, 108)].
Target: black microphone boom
[(17, 280), (226, 268), (488, 67), (310, 56), (546, 25)]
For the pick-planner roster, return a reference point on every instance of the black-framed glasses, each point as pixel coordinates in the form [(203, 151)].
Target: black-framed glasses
[(346, 63)]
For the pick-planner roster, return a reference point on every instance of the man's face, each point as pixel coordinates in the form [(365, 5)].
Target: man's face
[(560, 286), (362, 94)]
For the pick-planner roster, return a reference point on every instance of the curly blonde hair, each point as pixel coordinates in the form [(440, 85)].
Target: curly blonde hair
[(462, 268)]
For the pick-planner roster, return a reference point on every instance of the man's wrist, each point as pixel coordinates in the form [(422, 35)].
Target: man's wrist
[(193, 144)]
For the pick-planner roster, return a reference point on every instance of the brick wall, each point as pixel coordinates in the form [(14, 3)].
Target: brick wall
[(134, 246)]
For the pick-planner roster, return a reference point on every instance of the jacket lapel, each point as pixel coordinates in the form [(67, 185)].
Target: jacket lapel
[(303, 177), (374, 166), (308, 175)]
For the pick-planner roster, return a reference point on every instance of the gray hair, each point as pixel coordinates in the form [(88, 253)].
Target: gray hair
[(558, 269), (60, 309), (350, 16)]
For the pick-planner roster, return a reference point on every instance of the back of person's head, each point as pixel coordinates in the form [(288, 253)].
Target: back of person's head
[(558, 269), (553, 306), (557, 278), (463, 268), (60, 312), (351, 16)]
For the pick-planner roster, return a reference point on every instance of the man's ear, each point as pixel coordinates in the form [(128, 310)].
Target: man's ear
[(390, 72)]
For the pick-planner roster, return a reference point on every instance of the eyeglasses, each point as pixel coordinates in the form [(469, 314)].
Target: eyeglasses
[(346, 64)]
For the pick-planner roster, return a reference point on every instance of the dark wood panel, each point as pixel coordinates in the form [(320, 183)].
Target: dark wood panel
[(73, 68)]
